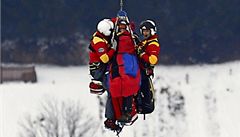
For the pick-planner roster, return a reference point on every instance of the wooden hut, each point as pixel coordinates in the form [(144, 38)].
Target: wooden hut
[(18, 73)]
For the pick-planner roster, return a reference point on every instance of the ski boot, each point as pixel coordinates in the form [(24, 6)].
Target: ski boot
[(111, 124), (96, 87), (127, 119), (133, 119)]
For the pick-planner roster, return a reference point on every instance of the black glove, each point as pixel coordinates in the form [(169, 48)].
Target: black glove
[(149, 69), (149, 72), (136, 38), (139, 50)]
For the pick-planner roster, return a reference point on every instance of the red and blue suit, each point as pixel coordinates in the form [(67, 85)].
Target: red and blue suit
[(124, 75)]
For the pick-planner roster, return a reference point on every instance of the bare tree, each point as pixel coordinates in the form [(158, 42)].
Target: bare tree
[(58, 119)]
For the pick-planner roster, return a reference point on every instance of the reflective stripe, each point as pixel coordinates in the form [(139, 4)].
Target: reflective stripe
[(96, 40), (97, 36), (104, 58), (151, 40), (153, 59), (155, 43), (94, 65), (148, 42), (155, 39), (142, 54), (144, 42)]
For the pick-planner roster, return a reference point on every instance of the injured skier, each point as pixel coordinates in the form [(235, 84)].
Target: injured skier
[(124, 74)]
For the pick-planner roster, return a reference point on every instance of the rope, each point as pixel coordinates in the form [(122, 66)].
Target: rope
[(121, 5)]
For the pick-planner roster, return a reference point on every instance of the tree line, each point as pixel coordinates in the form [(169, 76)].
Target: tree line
[(189, 31)]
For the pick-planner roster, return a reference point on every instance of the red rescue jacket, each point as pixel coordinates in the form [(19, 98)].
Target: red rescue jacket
[(100, 50), (151, 49), (124, 69)]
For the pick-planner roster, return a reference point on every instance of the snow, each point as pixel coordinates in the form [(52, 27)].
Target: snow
[(191, 101)]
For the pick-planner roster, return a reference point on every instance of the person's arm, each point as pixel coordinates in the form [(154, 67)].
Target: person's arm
[(102, 50), (150, 55)]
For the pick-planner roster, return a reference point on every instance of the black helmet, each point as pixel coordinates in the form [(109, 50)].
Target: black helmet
[(150, 25)]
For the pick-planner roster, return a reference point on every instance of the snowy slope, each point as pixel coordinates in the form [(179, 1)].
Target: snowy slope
[(192, 101)]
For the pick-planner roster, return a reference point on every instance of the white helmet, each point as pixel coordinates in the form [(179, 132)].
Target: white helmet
[(105, 27)]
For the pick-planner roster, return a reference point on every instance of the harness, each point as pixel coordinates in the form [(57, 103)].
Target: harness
[(115, 65)]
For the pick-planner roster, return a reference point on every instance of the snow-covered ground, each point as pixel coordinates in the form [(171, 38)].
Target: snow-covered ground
[(191, 101)]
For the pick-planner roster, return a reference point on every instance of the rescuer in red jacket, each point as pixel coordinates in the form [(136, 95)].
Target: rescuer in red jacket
[(149, 48), (148, 51), (101, 51)]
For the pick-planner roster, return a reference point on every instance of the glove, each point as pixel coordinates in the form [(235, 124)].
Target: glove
[(136, 38), (114, 44), (149, 72), (139, 51)]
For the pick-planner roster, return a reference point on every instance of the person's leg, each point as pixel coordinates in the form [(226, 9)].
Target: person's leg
[(144, 81), (96, 85), (127, 104), (144, 99), (110, 121), (109, 112), (126, 109), (112, 113)]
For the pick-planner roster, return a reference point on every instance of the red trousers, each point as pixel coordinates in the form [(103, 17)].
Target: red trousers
[(117, 107)]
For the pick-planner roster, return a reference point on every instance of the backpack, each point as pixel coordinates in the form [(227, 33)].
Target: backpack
[(145, 98)]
